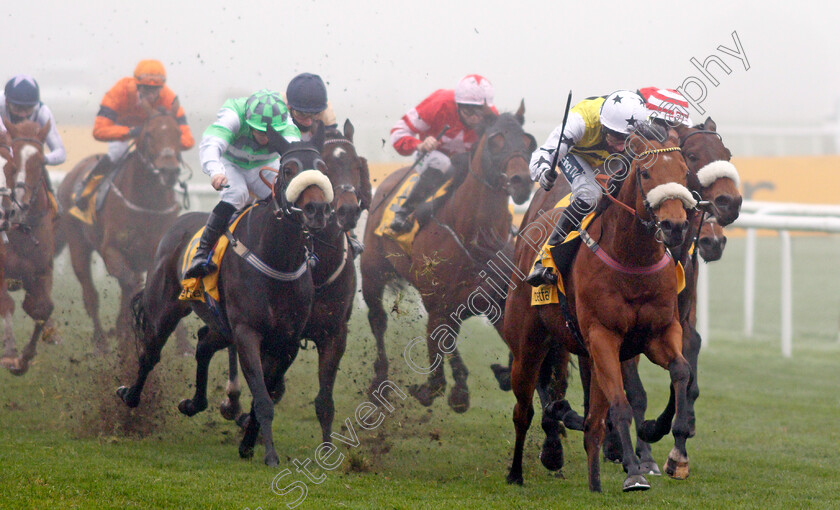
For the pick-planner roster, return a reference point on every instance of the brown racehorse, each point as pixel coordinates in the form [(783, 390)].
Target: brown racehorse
[(138, 208), (265, 292), (449, 256), (334, 276), (29, 254), (621, 302)]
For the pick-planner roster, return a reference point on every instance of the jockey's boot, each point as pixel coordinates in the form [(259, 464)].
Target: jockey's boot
[(103, 166), (357, 246), (428, 182), (217, 223), (561, 252)]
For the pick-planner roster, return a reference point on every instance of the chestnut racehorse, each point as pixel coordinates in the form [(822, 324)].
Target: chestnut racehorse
[(265, 289), (140, 205), (29, 253), (448, 260), (622, 294)]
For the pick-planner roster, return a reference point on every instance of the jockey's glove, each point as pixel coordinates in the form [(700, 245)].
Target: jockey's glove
[(135, 131), (547, 178)]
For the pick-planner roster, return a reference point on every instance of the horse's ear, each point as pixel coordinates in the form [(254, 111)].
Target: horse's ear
[(520, 113), (276, 142), (349, 130), (318, 135), (682, 130), (710, 124), (44, 131)]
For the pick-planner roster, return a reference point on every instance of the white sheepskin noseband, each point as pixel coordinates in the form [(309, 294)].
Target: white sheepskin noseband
[(305, 179), (716, 170), (663, 192)]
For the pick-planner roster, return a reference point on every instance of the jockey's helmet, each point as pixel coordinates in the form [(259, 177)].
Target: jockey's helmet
[(474, 89), (22, 90), (307, 93), (266, 107), (667, 105), (622, 110), (150, 72)]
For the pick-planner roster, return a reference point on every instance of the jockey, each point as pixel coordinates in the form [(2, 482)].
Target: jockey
[(123, 111), (21, 100), (596, 128), (465, 110), (232, 151), (306, 97)]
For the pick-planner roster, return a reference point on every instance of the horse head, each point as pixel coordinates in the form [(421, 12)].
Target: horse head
[(712, 240), (505, 151), (159, 147), (349, 175), (27, 144), (717, 178), (301, 191), (657, 184)]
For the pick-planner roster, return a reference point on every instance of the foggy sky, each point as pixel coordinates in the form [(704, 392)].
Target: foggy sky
[(381, 58)]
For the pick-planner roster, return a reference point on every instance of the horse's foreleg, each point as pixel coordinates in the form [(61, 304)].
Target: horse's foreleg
[(330, 350), (668, 354), (9, 342), (438, 343), (128, 288), (230, 408), (607, 383), (502, 373), (80, 258), (38, 305), (691, 352), (551, 388), (524, 374), (459, 395), (637, 397), (248, 344), (209, 342), (372, 289)]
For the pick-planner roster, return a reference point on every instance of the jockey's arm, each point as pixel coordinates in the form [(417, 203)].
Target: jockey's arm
[(404, 137), (542, 157), (105, 127), (57, 154), (215, 141)]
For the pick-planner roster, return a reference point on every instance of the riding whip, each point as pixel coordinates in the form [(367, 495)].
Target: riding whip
[(553, 169)]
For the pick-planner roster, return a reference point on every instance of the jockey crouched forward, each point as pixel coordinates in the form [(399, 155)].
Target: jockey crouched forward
[(232, 151), (122, 112), (306, 98), (21, 100), (465, 110), (595, 129)]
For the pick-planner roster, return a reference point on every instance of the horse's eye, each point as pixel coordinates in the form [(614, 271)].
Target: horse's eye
[(644, 173), (691, 157), (321, 166)]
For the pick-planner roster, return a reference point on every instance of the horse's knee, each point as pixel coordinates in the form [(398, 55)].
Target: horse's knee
[(680, 371)]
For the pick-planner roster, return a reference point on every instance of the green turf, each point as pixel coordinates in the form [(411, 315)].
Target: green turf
[(767, 426)]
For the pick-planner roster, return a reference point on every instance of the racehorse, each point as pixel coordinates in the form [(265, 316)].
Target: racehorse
[(265, 293), (448, 259), (622, 297), (334, 277), (30, 249), (138, 208)]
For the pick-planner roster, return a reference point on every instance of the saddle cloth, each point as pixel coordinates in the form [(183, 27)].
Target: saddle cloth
[(196, 289), (547, 294), (87, 214), (405, 240)]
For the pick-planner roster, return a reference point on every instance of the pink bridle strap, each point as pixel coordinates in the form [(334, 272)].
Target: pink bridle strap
[(618, 266)]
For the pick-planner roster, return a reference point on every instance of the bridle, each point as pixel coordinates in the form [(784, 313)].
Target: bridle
[(496, 164), (345, 188)]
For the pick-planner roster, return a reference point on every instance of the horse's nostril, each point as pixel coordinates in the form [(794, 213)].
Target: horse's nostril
[(723, 201), (667, 225), (705, 242)]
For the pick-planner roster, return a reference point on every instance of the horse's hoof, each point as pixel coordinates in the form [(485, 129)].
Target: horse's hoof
[(190, 408), (271, 460), (229, 410), (551, 454), (677, 465), (51, 336), (243, 420), (459, 398), (635, 483), (124, 394), (502, 375), (424, 394), (16, 366), (246, 452), (514, 479), (650, 468)]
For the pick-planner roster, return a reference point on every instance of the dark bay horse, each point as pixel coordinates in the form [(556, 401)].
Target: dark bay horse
[(265, 299), (29, 253), (334, 276), (623, 297), (448, 262), (140, 205)]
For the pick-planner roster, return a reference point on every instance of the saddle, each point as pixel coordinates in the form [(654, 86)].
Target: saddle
[(423, 213), (98, 188)]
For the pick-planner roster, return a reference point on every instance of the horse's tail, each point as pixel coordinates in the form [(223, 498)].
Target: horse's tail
[(139, 313)]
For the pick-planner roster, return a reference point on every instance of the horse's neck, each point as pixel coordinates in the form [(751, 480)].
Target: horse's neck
[(624, 237), (278, 243), (329, 247), (140, 186), (475, 207)]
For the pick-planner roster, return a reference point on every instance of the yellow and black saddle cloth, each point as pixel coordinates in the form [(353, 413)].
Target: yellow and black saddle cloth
[(87, 213), (205, 289), (550, 294), (393, 204)]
